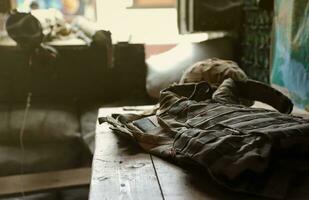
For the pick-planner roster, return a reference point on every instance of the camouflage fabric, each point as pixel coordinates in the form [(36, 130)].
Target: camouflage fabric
[(245, 149), (214, 71)]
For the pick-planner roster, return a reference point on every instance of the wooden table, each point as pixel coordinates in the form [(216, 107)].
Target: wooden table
[(121, 170)]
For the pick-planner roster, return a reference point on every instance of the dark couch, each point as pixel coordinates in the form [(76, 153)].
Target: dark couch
[(66, 95)]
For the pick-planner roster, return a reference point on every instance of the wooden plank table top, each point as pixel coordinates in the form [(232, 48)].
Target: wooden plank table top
[(121, 170)]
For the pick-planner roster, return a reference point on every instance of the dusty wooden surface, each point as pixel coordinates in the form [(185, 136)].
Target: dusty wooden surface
[(121, 170)]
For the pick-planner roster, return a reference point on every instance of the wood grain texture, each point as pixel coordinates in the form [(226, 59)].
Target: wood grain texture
[(120, 170), (41, 182)]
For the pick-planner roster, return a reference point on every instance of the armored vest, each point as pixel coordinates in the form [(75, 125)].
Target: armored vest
[(242, 148)]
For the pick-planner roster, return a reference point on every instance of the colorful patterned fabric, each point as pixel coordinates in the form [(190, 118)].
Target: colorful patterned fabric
[(290, 67)]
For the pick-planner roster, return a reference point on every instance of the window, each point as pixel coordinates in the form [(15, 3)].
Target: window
[(143, 21), (138, 25)]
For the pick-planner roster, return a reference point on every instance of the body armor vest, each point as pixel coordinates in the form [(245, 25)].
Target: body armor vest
[(242, 148)]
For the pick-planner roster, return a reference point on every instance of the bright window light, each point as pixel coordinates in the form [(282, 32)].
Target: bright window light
[(150, 26)]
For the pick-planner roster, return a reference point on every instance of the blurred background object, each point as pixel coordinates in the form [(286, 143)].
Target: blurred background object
[(210, 15), (2, 22), (5, 7), (69, 8), (25, 29), (290, 66), (255, 35)]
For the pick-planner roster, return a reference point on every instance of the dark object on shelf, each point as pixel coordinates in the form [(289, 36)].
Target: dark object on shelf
[(65, 71), (128, 75), (25, 29), (80, 72), (210, 15)]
